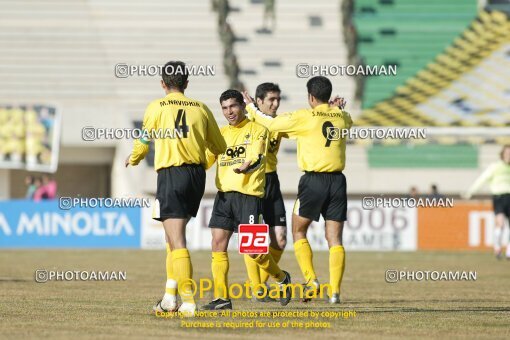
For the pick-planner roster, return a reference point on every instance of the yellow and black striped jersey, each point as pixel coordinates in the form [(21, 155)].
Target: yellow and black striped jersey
[(274, 142), (182, 128), (319, 134), (246, 141)]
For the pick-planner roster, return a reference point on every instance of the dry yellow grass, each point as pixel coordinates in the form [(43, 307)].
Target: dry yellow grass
[(79, 309)]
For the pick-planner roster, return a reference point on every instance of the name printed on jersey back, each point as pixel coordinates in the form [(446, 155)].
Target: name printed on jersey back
[(328, 114), (176, 102)]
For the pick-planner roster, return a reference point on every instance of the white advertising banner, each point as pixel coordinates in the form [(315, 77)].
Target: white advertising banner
[(379, 229)]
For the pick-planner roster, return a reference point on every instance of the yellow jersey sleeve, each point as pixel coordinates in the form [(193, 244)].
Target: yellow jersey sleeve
[(289, 123), (273, 143), (257, 152), (215, 141), (141, 146), (210, 159), (347, 119), (320, 141)]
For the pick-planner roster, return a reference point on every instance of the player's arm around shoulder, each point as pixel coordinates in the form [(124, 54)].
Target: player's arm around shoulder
[(339, 103), (141, 146), (289, 124), (214, 138), (251, 111), (347, 119)]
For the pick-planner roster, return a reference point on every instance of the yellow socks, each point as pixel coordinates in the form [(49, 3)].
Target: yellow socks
[(253, 272), (304, 257), (219, 267), (336, 268), (184, 272), (277, 255), (268, 264), (171, 283)]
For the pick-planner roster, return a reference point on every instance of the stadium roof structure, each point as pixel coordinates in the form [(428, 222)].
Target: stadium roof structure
[(465, 86)]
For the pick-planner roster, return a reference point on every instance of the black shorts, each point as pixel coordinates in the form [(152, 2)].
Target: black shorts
[(322, 193), (273, 206), (233, 208), (180, 190), (501, 204)]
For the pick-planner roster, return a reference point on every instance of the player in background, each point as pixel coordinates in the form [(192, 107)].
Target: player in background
[(498, 176), (180, 162), (323, 188), (267, 96), (240, 178)]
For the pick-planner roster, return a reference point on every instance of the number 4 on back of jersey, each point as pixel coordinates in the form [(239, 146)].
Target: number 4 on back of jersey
[(180, 123)]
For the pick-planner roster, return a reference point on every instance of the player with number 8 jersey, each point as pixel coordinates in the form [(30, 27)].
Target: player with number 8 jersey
[(240, 178)]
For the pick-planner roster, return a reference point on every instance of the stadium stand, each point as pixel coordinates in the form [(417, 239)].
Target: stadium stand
[(273, 56), (464, 86), (70, 48), (64, 53), (406, 33)]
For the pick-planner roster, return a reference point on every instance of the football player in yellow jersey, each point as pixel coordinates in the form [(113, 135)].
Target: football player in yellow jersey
[(322, 189), (267, 96), (240, 178), (183, 128)]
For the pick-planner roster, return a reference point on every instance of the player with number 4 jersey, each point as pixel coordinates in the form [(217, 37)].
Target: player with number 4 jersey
[(181, 127)]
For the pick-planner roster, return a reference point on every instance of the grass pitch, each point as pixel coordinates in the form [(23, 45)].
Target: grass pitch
[(119, 309)]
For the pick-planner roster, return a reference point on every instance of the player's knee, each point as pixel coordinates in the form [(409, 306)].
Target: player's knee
[(178, 244), (298, 234), (333, 240), (218, 245), (282, 242), (499, 221)]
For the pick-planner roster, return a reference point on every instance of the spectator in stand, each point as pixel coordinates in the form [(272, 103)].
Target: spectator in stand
[(413, 193), (39, 190), (269, 14), (434, 192), (29, 182), (227, 38), (222, 6), (50, 186), (47, 189)]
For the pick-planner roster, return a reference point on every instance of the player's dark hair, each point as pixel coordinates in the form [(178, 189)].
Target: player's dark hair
[(229, 94), (503, 150), (175, 75), (320, 87), (264, 88)]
